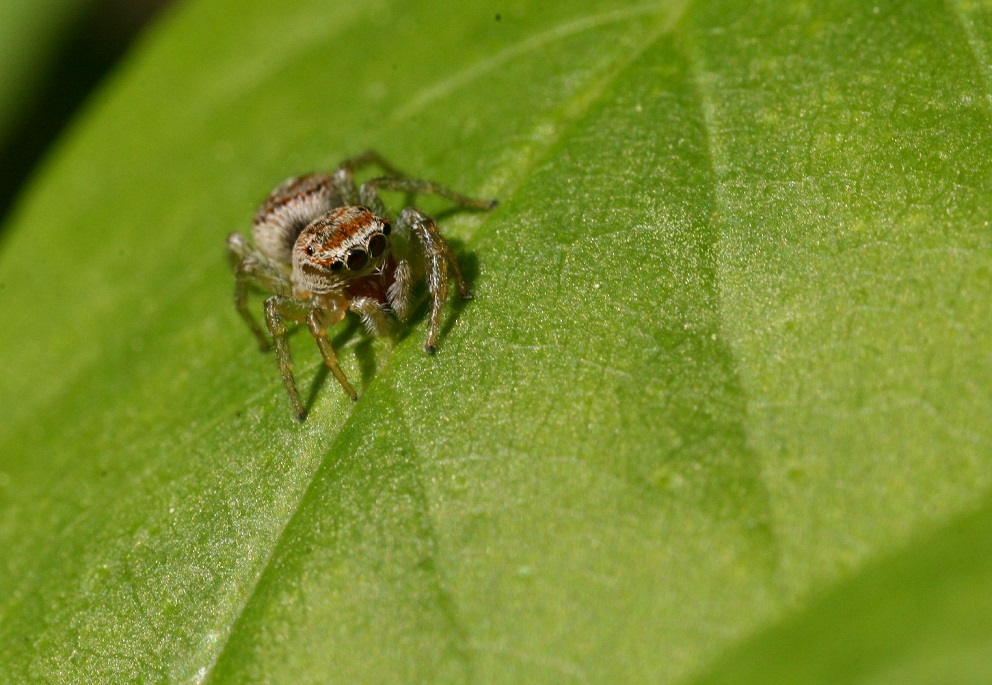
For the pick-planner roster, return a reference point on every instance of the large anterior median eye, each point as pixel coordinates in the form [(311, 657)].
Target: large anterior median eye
[(377, 245), (357, 259)]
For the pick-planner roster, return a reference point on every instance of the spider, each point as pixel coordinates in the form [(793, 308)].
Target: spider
[(324, 246)]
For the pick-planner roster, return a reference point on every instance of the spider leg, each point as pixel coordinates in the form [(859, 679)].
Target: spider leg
[(398, 294), (432, 244), (318, 320), (438, 256), (278, 308), (253, 268), (369, 192), (344, 177), (370, 158), (372, 313)]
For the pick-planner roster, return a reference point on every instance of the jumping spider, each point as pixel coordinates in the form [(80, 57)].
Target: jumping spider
[(326, 246)]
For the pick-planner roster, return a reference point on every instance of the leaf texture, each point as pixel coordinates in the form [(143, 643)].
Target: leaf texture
[(729, 347)]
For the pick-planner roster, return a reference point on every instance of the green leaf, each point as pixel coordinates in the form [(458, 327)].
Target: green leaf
[(729, 347), (923, 616)]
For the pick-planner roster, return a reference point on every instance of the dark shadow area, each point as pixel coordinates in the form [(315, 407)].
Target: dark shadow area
[(365, 355), (96, 43), (468, 262), (316, 384)]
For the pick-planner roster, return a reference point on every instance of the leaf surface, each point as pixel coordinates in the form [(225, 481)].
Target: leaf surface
[(729, 345)]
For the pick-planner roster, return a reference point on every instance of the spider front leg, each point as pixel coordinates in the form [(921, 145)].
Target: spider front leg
[(318, 318), (372, 313), (398, 294), (438, 256), (424, 229)]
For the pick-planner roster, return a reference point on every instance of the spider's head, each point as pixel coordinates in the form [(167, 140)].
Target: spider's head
[(343, 244)]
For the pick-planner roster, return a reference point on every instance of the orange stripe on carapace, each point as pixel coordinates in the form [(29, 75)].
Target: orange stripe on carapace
[(339, 227)]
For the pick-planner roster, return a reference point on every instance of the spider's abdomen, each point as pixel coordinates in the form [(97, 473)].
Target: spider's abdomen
[(288, 209)]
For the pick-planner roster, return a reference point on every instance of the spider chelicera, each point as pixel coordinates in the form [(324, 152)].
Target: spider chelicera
[(324, 246)]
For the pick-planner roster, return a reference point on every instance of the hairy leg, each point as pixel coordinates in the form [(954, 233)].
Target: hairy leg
[(369, 192), (438, 256), (278, 309), (372, 313), (318, 320), (344, 177), (398, 294), (252, 268)]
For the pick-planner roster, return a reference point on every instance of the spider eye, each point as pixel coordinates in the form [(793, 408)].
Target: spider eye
[(377, 245), (386, 227), (309, 250), (337, 266), (357, 259)]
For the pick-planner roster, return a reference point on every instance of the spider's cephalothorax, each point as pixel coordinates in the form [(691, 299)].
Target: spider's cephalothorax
[(325, 246), (344, 244)]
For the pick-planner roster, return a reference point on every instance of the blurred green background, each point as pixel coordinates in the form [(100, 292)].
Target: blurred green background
[(53, 53)]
